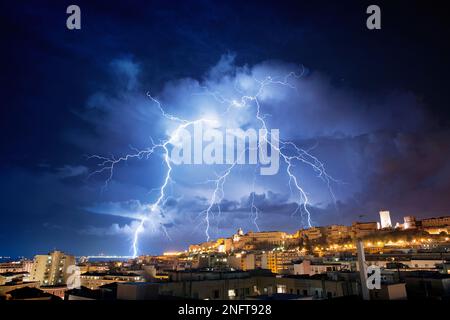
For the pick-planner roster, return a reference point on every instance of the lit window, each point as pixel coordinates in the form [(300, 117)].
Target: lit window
[(231, 293), (281, 288)]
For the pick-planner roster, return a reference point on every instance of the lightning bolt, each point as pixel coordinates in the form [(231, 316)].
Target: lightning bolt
[(299, 154), (109, 164), (254, 211), (288, 150)]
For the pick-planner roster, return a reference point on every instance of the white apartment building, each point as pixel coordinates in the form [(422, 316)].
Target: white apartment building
[(51, 269)]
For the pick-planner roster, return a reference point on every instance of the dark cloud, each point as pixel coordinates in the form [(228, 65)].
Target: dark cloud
[(372, 107)]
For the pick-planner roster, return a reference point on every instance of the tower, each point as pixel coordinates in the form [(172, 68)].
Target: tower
[(385, 219)]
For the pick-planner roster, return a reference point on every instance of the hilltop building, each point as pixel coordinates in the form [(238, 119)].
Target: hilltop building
[(385, 220)]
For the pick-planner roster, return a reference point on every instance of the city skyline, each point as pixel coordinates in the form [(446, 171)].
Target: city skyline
[(409, 223), (367, 109), (319, 263)]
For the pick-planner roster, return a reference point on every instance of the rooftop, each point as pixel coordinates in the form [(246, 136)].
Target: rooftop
[(30, 293), (113, 274)]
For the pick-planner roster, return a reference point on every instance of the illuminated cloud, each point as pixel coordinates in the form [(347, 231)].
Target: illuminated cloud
[(310, 111), (113, 230)]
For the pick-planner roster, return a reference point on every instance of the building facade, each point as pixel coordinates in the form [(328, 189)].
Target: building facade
[(52, 269), (362, 229), (385, 219)]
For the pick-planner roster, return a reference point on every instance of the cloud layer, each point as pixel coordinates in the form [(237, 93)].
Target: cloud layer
[(360, 139)]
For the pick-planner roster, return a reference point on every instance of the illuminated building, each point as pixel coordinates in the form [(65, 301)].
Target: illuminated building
[(219, 245), (203, 247), (385, 220), (271, 237), (409, 222), (16, 266), (437, 230), (9, 277), (51, 269), (336, 233), (362, 229), (93, 280), (173, 253), (10, 267), (241, 241), (209, 260), (242, 261), (313, 233), (279, 261), (93, 267), (316, 267), (436, 222)]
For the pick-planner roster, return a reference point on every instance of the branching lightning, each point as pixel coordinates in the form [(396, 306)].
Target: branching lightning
[(299, 154), (108, 165), (288, 150)]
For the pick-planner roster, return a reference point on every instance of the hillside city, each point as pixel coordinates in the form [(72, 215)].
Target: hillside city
[(413, 258)]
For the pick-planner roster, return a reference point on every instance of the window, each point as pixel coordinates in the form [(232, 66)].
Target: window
[(231, 293), (281, 288)]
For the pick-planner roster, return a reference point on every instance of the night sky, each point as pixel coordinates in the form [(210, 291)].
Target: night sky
[(372, 105)]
